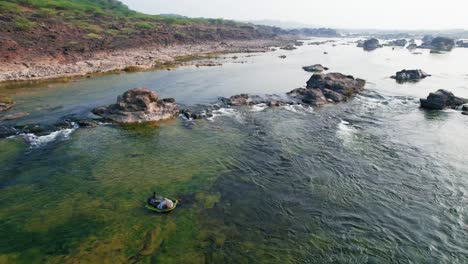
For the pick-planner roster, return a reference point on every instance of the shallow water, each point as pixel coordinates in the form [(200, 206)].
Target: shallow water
[(373, 180)]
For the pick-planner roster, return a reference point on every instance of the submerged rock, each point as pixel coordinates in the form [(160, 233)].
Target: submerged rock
[(328, 88), (442, 99), (6, 106), (139, 105), (410, 75), (315, 68), (13, 116), (249, 100), (240, 99)]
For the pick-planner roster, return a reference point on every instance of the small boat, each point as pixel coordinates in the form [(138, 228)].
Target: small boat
[(155, 209)]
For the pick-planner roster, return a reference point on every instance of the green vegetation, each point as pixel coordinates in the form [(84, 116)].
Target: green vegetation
[(9, 7), (6, 100), (92, 36), (101, 8), (144, 25), (23, 24)]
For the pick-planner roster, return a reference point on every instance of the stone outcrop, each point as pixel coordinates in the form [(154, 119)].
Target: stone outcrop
[(410, 75), (315, 68), (139, 105), (442, 99), (328, 88)]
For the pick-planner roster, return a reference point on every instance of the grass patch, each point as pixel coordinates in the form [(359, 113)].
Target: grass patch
[(144, 25), (92, 36), (8, 7), (23, 24), (6, 100)]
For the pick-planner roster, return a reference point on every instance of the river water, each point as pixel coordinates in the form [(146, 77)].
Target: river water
[(373, 180)]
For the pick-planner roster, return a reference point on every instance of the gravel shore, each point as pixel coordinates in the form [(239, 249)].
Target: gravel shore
[(138, 58)]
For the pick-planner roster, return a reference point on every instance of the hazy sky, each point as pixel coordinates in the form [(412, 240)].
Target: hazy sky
[(381, 14)]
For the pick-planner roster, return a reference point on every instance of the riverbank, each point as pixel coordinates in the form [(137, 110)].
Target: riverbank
[(143, 58)]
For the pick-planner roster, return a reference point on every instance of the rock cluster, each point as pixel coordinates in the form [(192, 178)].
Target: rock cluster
[(442, 99), (410, 75), (139, 105), (328, 88)]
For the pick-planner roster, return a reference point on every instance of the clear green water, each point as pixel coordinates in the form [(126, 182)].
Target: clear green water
[(374, 180)]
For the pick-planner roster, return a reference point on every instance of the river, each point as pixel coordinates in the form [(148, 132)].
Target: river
[(372, 180)]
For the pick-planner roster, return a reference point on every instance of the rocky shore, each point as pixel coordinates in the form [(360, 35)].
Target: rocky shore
[(130, 59)]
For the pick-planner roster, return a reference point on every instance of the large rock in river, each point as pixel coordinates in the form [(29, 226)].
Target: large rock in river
[(371, 44), (328, 88), (410, 75), (442, 99), (443, 43), (139, 105)]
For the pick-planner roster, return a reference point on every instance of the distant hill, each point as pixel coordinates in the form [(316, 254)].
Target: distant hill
[(63, 28), (281, 24)]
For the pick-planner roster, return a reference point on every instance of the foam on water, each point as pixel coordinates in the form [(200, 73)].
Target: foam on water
[(300, 109), (259, 107), (39, 141), (225, 112), (345, 131)]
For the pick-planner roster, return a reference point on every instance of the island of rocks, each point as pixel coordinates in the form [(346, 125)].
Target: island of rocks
[(139, 105)]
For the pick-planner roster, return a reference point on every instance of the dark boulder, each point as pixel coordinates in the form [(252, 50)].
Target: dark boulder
[(443, 43), (328, 88), (371, 44), (314, 97), (439, 44), (410, 75), (139, 105), (442, 99), (337, 82)]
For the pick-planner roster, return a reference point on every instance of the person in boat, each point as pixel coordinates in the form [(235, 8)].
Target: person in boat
[(160, 202)]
